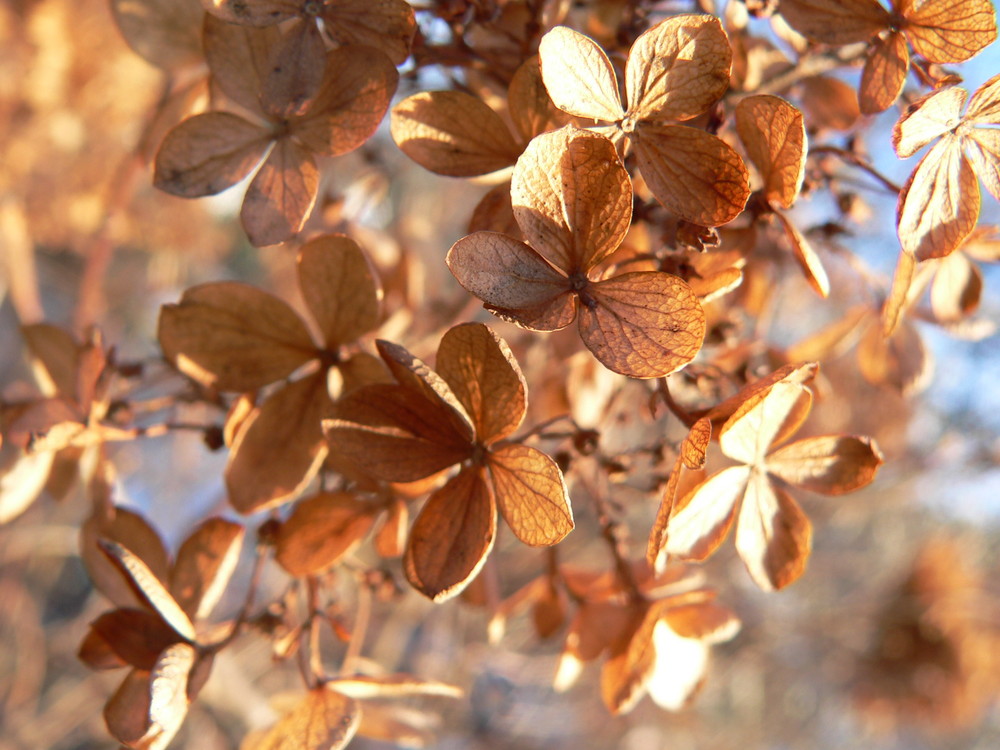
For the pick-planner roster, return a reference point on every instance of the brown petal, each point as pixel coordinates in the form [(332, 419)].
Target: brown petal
[(631, 662), (453, 133), (775, 138), (485, 377), (836, 21), (389, 433), (233, 336), (149, 706), (657, 543), (829, 103), (390, 538), (900, 361), (280, 446), (205, 563), (452, 536), (899, 298), (800, 374), (939, 205), (323, 720), (294, 71), (983, 152), (809, 262), (695, 444), (511, 277), (764, 420), (281, 194), (340, 288), (703, 517), (579, 76), (773, 535), (239, 58), (531, 494), (956, 289), (644, 324), (886, 66), (677, 69), (208, 153), (137, 636), (129, 529), (928, 118), (984, 107), (253, 12), (596, 626), (832, 465), (387, 25), (166, 33), (703, 620), (398, 685), (358, 84), (529, 103), (695, 175), (321, 531), (572, 198), (414, 375), (148, 586), (949, 32), (55, 354)]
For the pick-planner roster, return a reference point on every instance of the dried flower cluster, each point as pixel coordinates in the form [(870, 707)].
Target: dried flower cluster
[(645, 170)]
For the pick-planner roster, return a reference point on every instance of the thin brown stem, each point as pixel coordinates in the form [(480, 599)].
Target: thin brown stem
[(855, 160)]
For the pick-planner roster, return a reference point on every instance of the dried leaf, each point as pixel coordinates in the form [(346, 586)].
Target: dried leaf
[(644, 324), (764, 420), (836, 21), (240, 59), (939, 205), (695, 175), (390, 538), (281, 194), (695, 444), (453, 133), (321, 531), (531, 494), (280, 446), (900, 361), (949, 32), (358, 84), (483, 374), (452, 536), (146, 584), (678, 68), (774, 134), (829, 103), (928, 118), (572, 198), (166, 33), (208, 153), (387, 25), (884, 73), (233, 336), (130, 529), (809, 262), (899, 295), (529, 104), (205, 562), (579, 76), (702, 518), (340, 287), (630, 663), (295, 71), (511, 277), (55, 358), (773, 535), (324, 720), (136, 636), (956, 289), (390, 434), (656, 545), (832, 465)]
